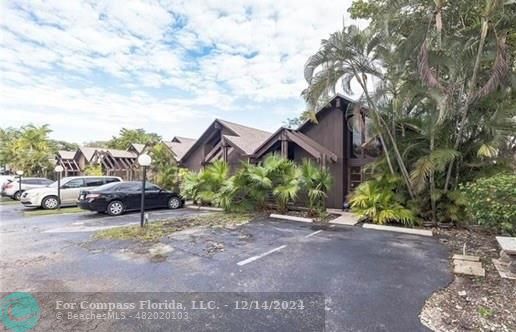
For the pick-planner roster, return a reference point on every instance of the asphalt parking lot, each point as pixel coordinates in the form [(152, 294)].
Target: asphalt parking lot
[(371, 280)]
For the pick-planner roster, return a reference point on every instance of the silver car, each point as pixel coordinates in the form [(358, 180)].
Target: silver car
[(13, 189), (70, 190)]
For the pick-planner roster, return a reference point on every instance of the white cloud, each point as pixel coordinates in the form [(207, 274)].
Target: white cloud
[(135, 63)]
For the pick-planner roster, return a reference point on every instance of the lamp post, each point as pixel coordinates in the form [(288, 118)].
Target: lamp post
[(144, 160), (59, 169), (20, 174)]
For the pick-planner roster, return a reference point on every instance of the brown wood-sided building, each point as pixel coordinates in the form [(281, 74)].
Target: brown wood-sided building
[(341, 140)]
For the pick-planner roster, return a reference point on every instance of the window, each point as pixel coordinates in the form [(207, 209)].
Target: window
[(129, 187), (94, 182), (110, 180), (151, 187), (364, 142), (75, 183)]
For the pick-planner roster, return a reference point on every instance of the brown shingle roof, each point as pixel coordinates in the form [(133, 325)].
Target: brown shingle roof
[(180, 145), (87, 152), (63, 154), (246, 138)]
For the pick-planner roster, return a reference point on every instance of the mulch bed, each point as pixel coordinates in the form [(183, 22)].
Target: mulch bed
[(472, 303)]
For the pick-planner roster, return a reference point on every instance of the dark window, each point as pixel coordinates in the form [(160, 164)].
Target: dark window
[(94, 182), (129, 187), (75, 183), (109, 180), (151, 187)]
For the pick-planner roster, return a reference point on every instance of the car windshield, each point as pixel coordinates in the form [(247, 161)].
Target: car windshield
[(53, 185)]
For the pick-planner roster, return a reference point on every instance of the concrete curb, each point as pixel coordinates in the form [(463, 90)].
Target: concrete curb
[(291, 218), (422, 232), (205, 208), (346, 219)]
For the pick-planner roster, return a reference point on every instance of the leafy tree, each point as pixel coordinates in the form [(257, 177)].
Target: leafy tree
[(93, 170), (436, 79), (63, 145), (28, 149), (165, 171), (128, 136), (96, 144), (293, 123)]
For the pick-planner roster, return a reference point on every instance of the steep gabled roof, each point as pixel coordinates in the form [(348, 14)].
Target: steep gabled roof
[(63, 154), (325, 107), (138, 147), (120, 153), (313, 148), (88, 152), (245, 139), (180, 145)]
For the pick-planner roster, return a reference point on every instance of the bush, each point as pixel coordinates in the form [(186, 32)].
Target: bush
[(375, 200), (491, 202), (93, 170)]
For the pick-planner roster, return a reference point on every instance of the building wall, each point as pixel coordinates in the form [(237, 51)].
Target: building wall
[(330, 132), (194, 160)]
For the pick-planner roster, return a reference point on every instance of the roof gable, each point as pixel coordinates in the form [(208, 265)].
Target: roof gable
[(337, 101), (242, 137)]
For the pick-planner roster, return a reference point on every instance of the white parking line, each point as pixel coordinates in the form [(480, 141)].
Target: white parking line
[(312, 234), (252, 259)]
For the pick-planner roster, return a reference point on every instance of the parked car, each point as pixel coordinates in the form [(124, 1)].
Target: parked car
[(4, 180), (117, 198), (12, 189), (70, 190)]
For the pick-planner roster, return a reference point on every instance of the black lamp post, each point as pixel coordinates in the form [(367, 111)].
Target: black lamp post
[(144, 160), (59, 169), (20, 174)]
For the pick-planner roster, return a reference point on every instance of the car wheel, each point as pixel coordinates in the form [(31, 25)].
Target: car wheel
[(174, 203), (115, 208), (49, 203), (17, 195)]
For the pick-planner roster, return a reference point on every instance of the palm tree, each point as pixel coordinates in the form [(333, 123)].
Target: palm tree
[(316, 182), (347, 55)]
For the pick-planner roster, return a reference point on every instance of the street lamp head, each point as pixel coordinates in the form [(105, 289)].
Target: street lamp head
[(58, 169), (144, 160), (20, 173)]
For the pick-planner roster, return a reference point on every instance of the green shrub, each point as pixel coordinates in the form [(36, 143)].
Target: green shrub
[(93, 170), (316, 183), (491, 202), (375, 200)]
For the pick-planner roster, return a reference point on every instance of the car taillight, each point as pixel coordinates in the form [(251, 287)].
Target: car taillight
[(9, 185), (92, 196)]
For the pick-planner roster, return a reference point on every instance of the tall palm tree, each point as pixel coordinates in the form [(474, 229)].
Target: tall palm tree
[(347, 55)]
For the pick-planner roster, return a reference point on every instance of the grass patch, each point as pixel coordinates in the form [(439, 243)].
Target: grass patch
[(41, 212), (7, 201), (156, 230)]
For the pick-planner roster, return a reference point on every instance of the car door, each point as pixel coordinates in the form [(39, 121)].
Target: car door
[(152, 196), (70, 191), (133, 195)]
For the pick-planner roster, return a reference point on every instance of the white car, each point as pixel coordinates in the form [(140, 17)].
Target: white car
[(71, 188), (13, 189)]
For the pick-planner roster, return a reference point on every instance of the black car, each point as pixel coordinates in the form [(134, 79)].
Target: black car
[(117, 198)]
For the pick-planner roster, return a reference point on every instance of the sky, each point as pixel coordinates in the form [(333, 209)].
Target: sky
[(89, 68)]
